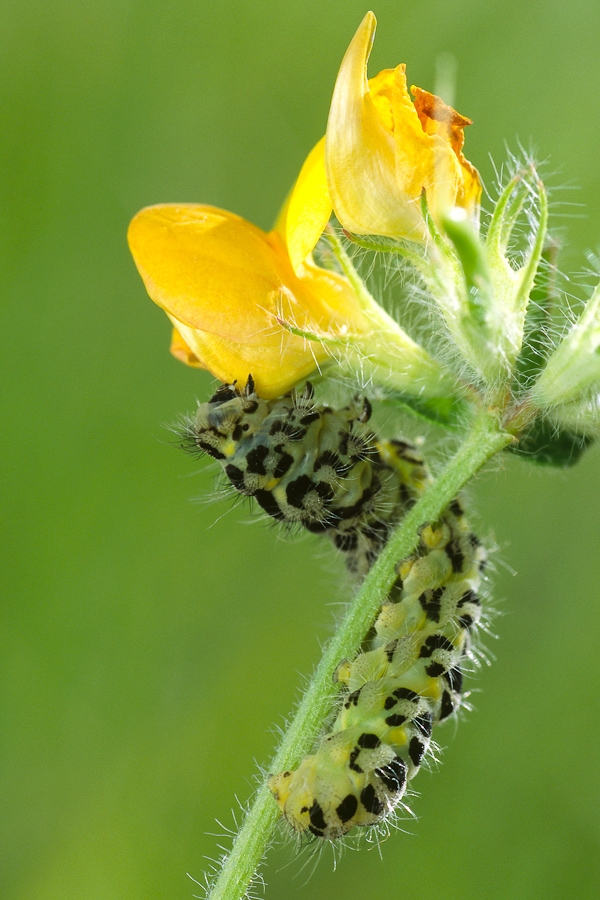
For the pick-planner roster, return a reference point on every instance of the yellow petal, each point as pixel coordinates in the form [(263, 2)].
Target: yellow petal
[(327, 299), (382, 150), (381, 89), (211, 269), (228, 287), (360, 153), (307, 209), (437, 118), (414, 148), (275, 367), (182, 352)]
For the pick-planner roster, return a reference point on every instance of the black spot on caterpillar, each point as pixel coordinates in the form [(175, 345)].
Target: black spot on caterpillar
[(322, 469)]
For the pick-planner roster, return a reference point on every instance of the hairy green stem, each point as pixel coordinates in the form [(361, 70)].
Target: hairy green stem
[(483, 439)]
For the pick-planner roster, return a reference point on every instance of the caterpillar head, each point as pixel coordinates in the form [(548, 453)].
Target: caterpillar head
[(230, 414)]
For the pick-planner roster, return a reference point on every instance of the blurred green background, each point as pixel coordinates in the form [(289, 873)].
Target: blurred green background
[(151, 645)]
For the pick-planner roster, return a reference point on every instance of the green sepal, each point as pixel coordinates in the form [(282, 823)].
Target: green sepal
[(543, 443), (506, 212), (542, 300), (449, 412)]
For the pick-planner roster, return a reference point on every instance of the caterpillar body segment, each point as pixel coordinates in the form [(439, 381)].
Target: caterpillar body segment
[(329, 796)]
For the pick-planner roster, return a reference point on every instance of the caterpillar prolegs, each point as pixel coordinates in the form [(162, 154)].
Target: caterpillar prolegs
[(322, 469)]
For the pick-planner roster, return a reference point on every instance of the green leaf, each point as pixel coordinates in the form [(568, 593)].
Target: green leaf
[(545, 445)]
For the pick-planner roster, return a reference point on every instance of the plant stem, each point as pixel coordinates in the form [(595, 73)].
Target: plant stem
[(483, 439)]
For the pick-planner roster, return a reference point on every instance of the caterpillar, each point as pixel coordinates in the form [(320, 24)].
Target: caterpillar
[(323, 470)]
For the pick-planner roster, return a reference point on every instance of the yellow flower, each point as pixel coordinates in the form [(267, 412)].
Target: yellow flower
[(227, 287), (244, 301), (382, 150)]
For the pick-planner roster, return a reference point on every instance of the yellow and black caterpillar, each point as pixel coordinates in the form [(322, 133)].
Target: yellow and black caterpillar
[(322, 469)]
